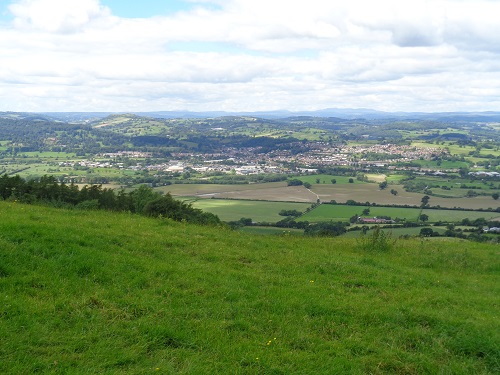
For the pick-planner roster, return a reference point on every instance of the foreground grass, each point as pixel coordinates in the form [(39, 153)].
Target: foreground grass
[(94, 292)]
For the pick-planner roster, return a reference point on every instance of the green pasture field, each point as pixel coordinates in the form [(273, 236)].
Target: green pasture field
[(486, 151), (110, 172), (445, 164), (395, 178), (475, 160), (271, 231), (414, 134), (311, 134), (376, 177), (460, 193), (94, 292), (457, 150), (455, 185), (61, 156), (34, 170), (327, 212), (365, 192), (327, 179), (394, 232), (455, 216), (454, 148), (453, 193), (258, 211), (128, 125), (42, 169)]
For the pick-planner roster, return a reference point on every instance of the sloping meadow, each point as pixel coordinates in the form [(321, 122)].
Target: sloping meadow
[(87, 292)]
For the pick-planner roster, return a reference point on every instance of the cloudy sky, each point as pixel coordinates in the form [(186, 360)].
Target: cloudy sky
[(249, 55)]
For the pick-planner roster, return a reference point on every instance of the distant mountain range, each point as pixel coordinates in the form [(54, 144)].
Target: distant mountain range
[(342, 113)]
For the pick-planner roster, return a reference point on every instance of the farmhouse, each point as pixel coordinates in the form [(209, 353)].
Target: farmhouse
[(175, 168), (492, 229)]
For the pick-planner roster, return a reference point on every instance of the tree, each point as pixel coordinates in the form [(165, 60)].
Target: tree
[(334, 181), (351, 180), (318, 181), (471, 193), (168, 207), (366, 212), (140, 197), (495, 196), (382, 185), (246, 221), (425, 200), (463, 172), (394, 192), (353, 218), (307, 185), (426, 232), (423, 217), (378, 240)]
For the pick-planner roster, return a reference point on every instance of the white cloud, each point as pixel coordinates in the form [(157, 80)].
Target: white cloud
[(392, 55), (64, 16)]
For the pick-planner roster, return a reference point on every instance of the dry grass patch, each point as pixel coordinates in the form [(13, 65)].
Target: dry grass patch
[(279, 194)]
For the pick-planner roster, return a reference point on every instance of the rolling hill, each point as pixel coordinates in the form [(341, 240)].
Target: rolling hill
[(86, 292)]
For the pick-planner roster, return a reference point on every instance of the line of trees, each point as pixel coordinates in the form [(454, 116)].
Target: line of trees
[(144, 200)]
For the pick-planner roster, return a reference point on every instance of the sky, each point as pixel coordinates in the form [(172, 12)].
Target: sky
[(249, 55)]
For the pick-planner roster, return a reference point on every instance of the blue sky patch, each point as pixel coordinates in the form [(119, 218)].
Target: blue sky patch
[(146, 8)]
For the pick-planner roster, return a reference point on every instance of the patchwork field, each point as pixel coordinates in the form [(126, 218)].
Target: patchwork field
[(283, 194), (473, 203), (327, 179), (258, 211), (209, 190), (327, 212), (275, 191), (367, 192), (397, 232), (264, 211), (360, 192), (452, 215)]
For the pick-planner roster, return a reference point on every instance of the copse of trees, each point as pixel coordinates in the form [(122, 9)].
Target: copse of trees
[(294, 213), (294, 182), (326, 229), (144, 200)]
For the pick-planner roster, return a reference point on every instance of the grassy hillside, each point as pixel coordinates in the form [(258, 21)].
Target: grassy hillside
[(94, 292)]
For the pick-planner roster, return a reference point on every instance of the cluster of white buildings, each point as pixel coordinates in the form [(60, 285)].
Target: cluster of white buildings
[(251, 160)]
